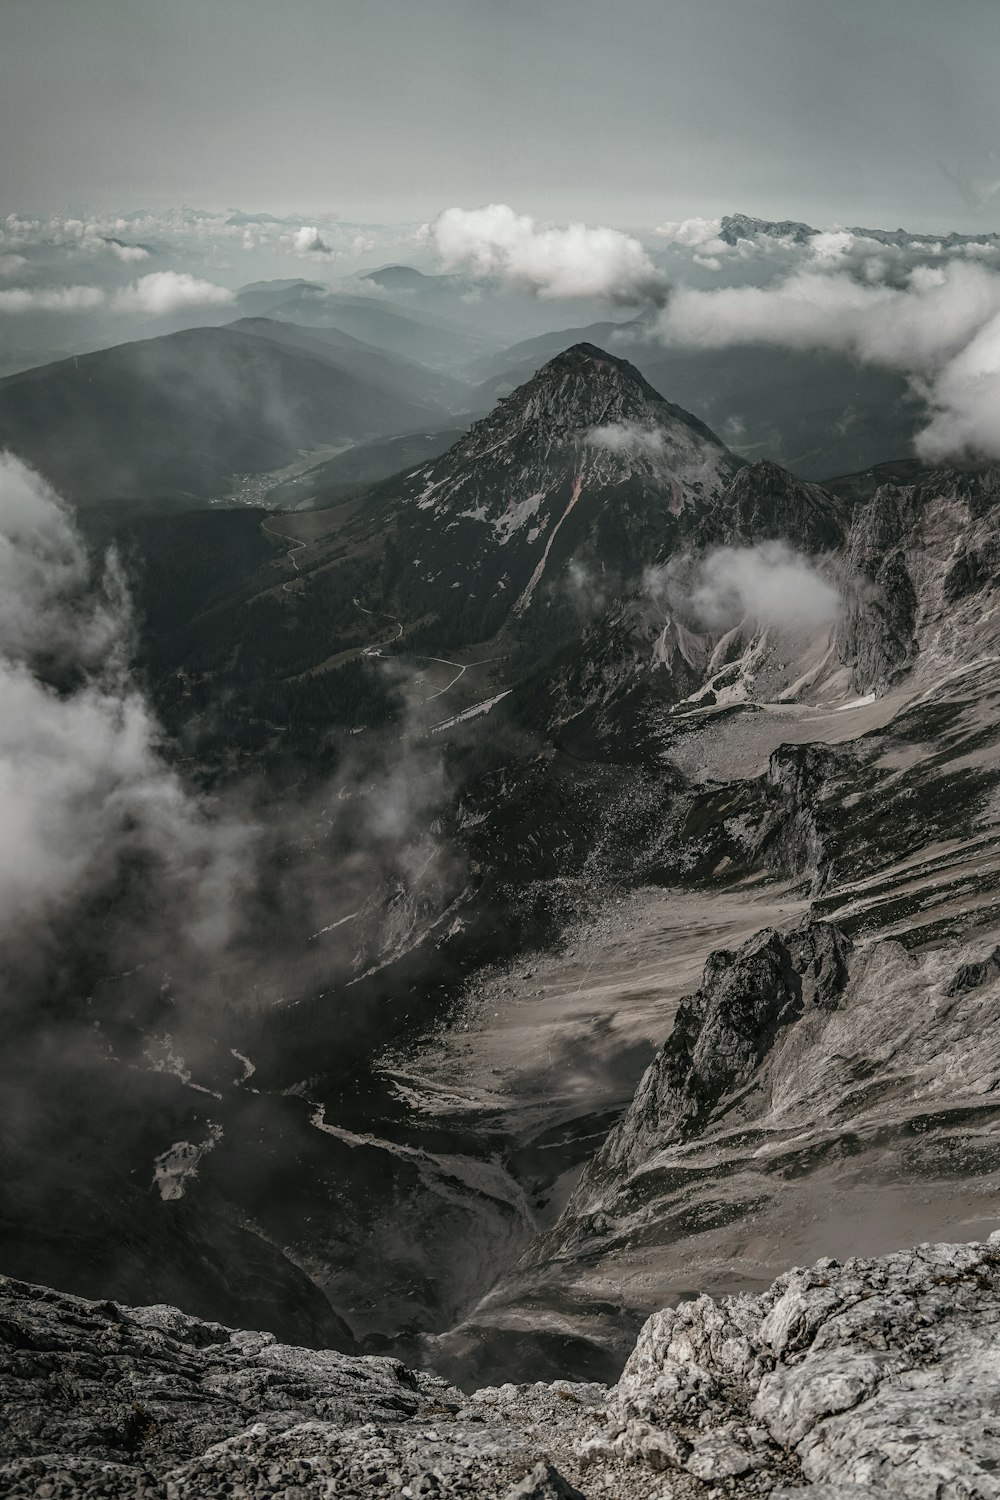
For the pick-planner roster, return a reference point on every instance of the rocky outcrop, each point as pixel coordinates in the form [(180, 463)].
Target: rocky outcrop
[(880, 1373), (723, 1031), (971, 976), (875, 1377), (793, 837)]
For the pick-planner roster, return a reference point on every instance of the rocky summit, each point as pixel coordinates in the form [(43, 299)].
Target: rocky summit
[(845, 1381)]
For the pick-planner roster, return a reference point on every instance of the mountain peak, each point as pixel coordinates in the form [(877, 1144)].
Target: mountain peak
[(592, 360), (581, 390)]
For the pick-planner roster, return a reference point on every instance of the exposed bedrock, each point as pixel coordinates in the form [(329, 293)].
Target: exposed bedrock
[(875, 1377)]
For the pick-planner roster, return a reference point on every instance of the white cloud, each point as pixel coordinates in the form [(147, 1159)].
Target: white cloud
[(965, 400), (68, 299), (576, 261), (12, 265), (689, 232), (941, 328), (309, 241), (626, 437), (767, 584), (83, 787), (128, 254), (167, 291), (159, 292)]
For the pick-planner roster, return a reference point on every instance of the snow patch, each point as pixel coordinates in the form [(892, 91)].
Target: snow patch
[(173, 1168), (473, 712)]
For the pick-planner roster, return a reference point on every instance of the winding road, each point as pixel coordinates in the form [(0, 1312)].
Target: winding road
[(291, 551)]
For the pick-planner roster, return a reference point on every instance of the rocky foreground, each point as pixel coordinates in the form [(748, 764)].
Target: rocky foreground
[(872, 1377)]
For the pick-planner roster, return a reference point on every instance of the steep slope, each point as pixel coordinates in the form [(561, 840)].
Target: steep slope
[(183, 413), (812, 1095)]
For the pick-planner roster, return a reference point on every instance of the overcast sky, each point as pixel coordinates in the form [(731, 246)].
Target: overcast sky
[(881, 112)]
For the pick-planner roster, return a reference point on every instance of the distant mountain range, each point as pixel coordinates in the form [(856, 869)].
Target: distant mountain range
[(745, 227), (175, 418)]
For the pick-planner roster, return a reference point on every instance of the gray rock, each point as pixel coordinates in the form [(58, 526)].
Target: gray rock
[(544, 1483), (875, 1377)]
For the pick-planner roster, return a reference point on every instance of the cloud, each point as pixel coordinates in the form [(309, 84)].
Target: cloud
[(691, 233), (67, 299), (309, 241), (167, 291), (128, 254), (576, 261), (84, 790), (159, 292), (768, 584), (626, 437), (941, 328)]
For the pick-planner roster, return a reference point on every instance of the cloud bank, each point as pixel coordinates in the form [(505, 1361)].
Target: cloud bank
[(158, 293), (941, 327), (576, 261)]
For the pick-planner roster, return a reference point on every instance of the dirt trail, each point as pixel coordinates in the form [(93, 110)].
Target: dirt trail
[(291, 551)]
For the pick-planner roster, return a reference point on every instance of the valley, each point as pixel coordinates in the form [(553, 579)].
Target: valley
[(528, 768)]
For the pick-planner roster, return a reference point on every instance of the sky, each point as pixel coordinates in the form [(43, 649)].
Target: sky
[(879, 112)]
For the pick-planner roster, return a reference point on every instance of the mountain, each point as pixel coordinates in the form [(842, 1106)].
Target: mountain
[(627, 927), (744, 226), (408, 281), (586, 469), (816, 414), (414, 331), (586, 445), (184, 414), (404, 378), (737, 227)]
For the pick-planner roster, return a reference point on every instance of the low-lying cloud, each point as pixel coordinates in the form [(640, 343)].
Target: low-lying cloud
[(83, 786), (157, 293), (627, 437), (575, 261), (941, 328), (767, 584), (168, 291)]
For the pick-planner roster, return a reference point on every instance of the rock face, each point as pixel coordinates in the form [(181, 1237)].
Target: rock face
[(764, 502), (875, 1377), (723, 1032), (877, 1373)]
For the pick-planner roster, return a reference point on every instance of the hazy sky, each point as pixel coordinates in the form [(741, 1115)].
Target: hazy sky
[(871, 111)]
